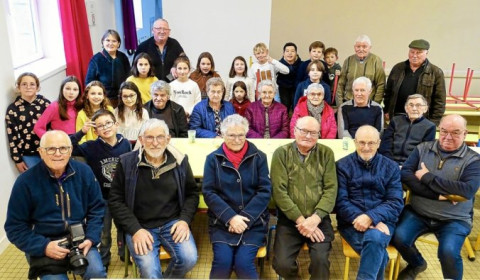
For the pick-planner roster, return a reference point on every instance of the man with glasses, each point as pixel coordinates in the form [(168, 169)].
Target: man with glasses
[(443, 177), (162, 49), (153, 200), (49, 198), (416, 75), (304, 190), (369, 202)]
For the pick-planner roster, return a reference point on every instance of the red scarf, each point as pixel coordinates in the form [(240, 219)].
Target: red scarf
[(235, 157)]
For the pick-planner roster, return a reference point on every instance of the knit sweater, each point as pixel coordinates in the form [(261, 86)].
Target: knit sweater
[(143, 85), (351, 117), (51, 116)]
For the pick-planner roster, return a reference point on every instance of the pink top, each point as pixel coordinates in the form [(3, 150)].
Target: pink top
[(52, 116)]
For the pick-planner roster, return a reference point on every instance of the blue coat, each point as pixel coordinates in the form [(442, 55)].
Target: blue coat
[(41, 208), (203, 118), (228, 192)]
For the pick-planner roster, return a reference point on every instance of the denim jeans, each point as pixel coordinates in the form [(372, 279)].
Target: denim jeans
[(371, 246), (31, 161), (184, 255), (450, 235), (95, 268), (240, 258)]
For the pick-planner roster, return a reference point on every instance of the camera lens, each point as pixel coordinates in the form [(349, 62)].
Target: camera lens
[(78, 262)]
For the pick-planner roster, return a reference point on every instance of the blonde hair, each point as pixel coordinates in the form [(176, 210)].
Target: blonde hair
[(260, 47)]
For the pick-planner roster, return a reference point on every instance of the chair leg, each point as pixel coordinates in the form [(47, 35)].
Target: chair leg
[(347, 267), (127, 258), (468, 246), (391, 269), (397, 266), (477, 243), (269, 240), (261, 263)]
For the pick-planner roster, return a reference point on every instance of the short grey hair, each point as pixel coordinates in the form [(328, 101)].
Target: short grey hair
[(154, 123), (363, 80), (51, 133), (159, 86), (233, 120), (363, 38), (313, 86), (415, 96), (215, 81), (267, 83)]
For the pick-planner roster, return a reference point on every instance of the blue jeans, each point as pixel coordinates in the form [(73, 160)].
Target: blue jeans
[(95, 268), (371, 246), (31, 161), (184, 255), (450, 235), (240, 258)]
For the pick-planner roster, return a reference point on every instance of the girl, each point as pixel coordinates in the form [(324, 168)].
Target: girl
[(20, 118), (62, 114), (143, 75), (240, 101), (130, 113), (94, 99), (238, 72), (205, 70), (183, 90)]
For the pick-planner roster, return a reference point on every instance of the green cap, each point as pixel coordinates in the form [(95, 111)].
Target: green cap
[(419, 44)]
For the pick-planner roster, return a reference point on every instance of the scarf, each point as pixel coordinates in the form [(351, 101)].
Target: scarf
[(235, 157), (316, 111)]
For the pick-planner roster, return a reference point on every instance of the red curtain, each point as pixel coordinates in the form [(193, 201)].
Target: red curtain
[(76, 37)]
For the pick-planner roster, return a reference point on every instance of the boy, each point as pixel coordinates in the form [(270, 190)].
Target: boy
[(315, 72), (333, 68), (102, 155), (316, 53), (265, 68), (286, 82)]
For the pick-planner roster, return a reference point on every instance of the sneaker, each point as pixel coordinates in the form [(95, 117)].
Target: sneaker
[(411, 272)]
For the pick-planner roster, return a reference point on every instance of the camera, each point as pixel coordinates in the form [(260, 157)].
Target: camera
[(78, 262)]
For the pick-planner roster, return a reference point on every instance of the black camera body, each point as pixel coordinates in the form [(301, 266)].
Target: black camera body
[(78, 262)]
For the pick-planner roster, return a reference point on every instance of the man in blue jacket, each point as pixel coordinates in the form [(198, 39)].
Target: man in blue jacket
[(46, 200), (369, 202)]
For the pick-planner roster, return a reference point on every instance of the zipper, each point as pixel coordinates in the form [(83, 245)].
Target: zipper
[(62, 204), (68, 205)]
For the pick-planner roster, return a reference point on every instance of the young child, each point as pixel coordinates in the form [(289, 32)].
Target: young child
[(333, 68), (315, 72), (239, 99), (94, 99), (143, 75), (265, 68), (183, 90), (102, 155), (286, 82), (20, 118), (204, 71), (315, 51), (238, 72), (62, 114), (130, 112)]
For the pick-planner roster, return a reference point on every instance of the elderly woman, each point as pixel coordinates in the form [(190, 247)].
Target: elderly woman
[(314, 105), (237, 190), (267, 117), (110, 66), (405, 132), (208, 114), (362, 63), (162, 108)]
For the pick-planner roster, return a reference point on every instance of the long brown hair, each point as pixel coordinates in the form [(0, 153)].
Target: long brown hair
[(138, 104), (62, 101), (87, 107)]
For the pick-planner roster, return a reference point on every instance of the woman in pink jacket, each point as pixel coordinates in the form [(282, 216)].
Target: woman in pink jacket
[(314, 105)]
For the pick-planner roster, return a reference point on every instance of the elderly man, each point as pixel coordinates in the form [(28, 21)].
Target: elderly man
[(162, 108), (362, 63), (50, 204), (416, 75), (359, 111), (443, 177), (153, 199), (162, 49), (369, 202), (304, 190)]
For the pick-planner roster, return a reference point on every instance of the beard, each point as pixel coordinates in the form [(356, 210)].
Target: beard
[(154, 153)]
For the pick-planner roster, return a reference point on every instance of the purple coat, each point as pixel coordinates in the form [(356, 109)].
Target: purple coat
[(278, 120)]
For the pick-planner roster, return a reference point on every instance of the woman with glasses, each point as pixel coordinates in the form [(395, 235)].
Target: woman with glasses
[(267, 117), (237, 190), (314, 105), (405, 132)]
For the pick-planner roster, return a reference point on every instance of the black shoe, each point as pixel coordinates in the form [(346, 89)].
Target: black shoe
[(410, 272)]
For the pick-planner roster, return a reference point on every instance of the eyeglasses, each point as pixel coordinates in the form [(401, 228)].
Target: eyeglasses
[(317, 95), (268, 93), (150, 138), (305, 132), (27, 85), (104, 126), (53, 150), (411, 105), (235, 136), (161, 29), (369, 144), (131, 96), (454, 134)]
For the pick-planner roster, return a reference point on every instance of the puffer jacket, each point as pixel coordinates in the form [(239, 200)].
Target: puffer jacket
[(328, 123)]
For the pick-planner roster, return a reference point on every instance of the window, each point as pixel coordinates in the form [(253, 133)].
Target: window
[(24, 31)]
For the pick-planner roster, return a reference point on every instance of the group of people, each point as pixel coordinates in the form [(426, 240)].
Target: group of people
[(151, 195)]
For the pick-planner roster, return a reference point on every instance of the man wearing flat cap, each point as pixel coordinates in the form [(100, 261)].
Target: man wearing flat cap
[(416, 75)]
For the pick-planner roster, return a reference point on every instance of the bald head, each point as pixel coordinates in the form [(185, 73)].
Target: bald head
[(367, 140), (458, 120), (308, 123), (453, 130), (55, 134), (369, 130)]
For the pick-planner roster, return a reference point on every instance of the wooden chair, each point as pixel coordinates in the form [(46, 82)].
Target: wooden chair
[(393, 255), (164, 255)]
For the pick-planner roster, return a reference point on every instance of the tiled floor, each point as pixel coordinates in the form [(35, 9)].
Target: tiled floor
[(13, 264)]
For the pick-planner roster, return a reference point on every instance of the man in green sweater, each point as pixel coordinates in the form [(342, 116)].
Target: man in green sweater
[(304, 189)]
